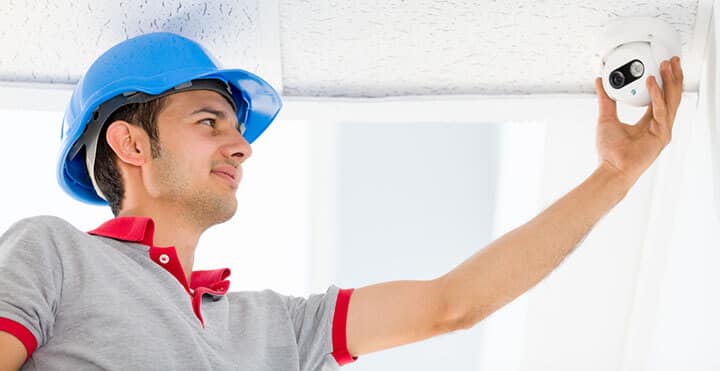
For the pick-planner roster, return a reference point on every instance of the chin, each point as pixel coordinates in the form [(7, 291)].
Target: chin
[(225, 210), (222, 218), (213, 210)]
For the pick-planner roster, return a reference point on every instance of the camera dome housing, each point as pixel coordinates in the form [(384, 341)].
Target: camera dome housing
[(630, 50)]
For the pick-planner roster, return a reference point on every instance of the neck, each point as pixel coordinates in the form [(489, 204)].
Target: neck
[(172, 229)]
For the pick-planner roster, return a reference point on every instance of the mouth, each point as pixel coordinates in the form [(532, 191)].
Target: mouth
[(227, 177)]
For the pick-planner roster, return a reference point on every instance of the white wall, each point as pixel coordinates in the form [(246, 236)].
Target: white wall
[(414, 200)]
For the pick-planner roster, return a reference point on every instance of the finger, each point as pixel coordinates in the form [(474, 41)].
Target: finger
[(658, 106), (666, 72), (677, 69), (678, 85), (607, 106), (646, 119), (671, 88), (655, 90)]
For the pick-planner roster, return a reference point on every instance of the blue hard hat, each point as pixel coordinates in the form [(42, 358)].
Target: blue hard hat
[(150, 65)]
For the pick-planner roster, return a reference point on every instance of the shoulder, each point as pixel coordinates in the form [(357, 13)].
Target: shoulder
[(260, 299), (42, 224), (271, 300), (41, 234)]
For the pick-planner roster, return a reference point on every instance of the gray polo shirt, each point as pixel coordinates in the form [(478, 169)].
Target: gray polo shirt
[(109, 299)]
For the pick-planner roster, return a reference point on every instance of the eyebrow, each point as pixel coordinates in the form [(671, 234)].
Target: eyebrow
[(218, 113)]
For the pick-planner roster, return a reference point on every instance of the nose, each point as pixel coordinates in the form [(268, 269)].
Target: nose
[(237, 148)]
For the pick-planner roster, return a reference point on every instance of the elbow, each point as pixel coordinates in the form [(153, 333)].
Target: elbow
[(459, 312), (463, 320)]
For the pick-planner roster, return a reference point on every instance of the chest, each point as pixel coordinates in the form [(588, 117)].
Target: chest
[(139, 323)]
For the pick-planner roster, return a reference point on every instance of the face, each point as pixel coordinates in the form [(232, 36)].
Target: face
[(201, 156)]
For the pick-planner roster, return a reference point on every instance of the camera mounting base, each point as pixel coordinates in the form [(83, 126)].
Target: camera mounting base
[(637, 29)]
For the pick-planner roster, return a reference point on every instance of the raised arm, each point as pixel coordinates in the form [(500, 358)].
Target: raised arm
[(395, 313)]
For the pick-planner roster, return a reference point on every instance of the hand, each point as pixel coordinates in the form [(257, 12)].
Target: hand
[(630, 149)]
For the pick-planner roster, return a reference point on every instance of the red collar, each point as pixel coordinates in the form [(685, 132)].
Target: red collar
[(142, 230), (131, 229)]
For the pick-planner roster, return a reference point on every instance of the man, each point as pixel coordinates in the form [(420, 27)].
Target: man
[(159, 133)]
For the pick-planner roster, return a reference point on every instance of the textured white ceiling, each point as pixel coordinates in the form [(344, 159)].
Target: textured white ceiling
[(53, 41), (378, 48), (365, 48)]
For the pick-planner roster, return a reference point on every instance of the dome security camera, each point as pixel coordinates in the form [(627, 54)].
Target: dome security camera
[(630, 51)]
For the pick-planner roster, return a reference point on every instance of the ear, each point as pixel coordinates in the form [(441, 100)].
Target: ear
[(129, 142)]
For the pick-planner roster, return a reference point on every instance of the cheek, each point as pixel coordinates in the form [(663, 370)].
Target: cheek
[(195, 158), (190, 147)]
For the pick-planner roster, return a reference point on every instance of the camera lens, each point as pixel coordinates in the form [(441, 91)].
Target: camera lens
[(617, 79), (637, 69)]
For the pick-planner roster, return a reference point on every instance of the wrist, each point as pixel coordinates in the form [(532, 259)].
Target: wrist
[(614, 179)]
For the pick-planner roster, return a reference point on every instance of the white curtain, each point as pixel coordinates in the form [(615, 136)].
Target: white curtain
[(675, 324)]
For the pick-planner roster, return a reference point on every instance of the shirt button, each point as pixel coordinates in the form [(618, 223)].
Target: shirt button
[(164, 259)]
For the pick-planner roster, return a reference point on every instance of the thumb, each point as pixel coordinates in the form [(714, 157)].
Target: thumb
[(607, 106)]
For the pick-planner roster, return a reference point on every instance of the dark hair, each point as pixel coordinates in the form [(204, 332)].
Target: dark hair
[(107, 174)]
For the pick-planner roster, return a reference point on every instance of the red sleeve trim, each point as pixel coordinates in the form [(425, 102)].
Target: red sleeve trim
[(21, 333), (339, 328)]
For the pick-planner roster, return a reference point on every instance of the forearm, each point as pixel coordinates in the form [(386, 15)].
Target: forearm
[(521, 258)]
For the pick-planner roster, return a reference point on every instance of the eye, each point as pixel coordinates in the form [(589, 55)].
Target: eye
[(209, 122)]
